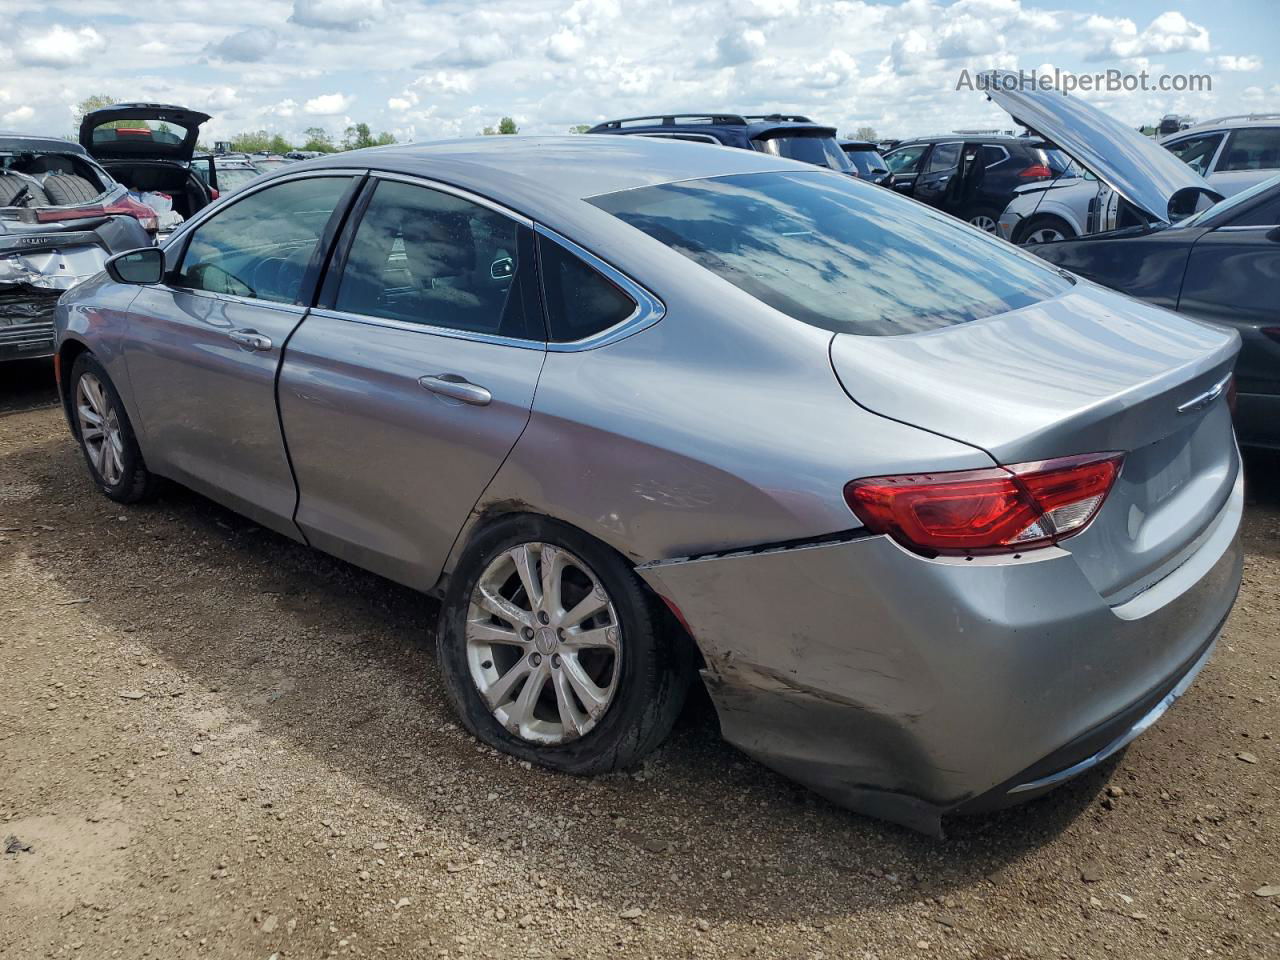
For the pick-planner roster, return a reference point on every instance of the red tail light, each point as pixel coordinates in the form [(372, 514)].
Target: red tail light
[(125, 206), (1000, 510), (1231, 393), (213, 194), (1037, 171)]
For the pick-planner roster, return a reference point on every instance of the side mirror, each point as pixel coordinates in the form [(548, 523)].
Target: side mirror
[(144, 265)]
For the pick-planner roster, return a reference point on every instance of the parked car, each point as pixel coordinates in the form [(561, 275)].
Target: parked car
[(269, 162), (61, 216), (867, 162), (942, 526), (149, 148), (1050, 210), (781, 135), (1219, 264), (1232, 153), (971, 178)]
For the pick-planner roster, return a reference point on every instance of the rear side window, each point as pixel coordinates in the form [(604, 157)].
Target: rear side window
[(868, 163), (581, 301), (993, 154), (1197, 152), (826, 251), (821, 150), (260, 246), (1256, 149), (429, 257)]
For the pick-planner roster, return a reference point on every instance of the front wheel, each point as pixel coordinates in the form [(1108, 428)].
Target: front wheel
[(1046, 229), (552, 650), (106, 435), (984, 218)]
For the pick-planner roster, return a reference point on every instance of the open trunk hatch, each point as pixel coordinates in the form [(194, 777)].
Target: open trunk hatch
[(138, 131), (1084, 372)]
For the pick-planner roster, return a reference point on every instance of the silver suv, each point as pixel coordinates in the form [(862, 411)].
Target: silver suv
[(1232, 153)]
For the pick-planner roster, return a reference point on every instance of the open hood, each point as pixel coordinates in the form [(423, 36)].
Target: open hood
[(1136, 167), (141, 131)]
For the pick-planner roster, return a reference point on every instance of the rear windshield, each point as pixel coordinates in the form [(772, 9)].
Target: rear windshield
[(160, 132), (822, 150), (868, 163), (837, 253)]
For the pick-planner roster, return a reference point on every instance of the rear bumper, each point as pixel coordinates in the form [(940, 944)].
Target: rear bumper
[(910, 689)]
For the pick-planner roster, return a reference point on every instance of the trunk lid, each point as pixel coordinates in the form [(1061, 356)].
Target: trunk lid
[(1085, 372), (1135, 166), (142, 131)]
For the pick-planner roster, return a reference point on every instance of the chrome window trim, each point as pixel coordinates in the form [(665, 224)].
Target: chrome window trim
[(179, 235), (430, 184), (649, 309), (1244, 228), (1001, 148), (428, 329), (691, 137)]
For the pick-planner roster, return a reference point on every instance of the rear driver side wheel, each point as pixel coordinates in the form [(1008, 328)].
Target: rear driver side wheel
[(106, 435), (553, 651)]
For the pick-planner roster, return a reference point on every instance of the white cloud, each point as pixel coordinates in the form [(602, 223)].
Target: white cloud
[(564, 45), (476, 51), (736, 47), (328, 105), (336, 14), (398, 104), (1241, 64), (1252, 94), (19, 116), (1170, 32), (58, 46), (244, 46)]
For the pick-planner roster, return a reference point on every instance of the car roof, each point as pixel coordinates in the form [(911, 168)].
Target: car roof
[(1228, 123), (12, 140), (528, 172), (752, 125), (970, 137), (858, 145)]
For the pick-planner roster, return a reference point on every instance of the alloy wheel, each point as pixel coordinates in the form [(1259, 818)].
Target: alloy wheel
[(983, 222), (1045, 235), (100, 429), (543, 643)]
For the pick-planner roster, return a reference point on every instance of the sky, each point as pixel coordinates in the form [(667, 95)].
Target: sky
[(431, 70)]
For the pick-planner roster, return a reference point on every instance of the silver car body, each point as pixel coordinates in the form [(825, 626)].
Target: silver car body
[(708, 438), (1226, 167)]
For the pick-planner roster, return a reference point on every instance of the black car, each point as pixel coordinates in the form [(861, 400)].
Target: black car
[(149, 148), (783, 135), (867, 162), (969, 177)]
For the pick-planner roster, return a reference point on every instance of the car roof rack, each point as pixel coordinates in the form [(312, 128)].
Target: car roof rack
[(779, 117), (672, 119)]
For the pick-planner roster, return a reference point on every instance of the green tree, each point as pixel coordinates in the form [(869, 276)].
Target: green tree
[(251, 141), (580, 128), (90, 104), (865, 133), (357, 137), (279, 144), (318, 139), (384, 139), (505, 126)]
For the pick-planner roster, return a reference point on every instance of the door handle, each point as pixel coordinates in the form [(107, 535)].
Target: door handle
[(250, 339), (457, 388)]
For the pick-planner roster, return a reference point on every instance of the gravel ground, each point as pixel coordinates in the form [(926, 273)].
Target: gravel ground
[(217, 743)]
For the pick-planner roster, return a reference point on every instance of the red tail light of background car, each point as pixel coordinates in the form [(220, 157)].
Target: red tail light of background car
[(997, 510), (125, 206)]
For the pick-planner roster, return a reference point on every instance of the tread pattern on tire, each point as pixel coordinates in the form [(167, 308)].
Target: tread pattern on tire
[(69, 190), (11, 186)]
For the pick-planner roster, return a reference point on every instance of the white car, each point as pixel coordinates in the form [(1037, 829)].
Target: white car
[(1050, 210), (1232, 153)]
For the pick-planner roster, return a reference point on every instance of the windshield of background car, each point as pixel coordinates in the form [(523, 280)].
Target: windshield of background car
[(868, 163), (1057, 161), (821, 150), (905, 159), (836, 253)]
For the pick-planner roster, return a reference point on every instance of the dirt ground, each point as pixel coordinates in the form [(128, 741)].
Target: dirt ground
[(217, 743)]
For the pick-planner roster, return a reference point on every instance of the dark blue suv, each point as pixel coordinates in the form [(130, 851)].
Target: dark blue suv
[(782, 135)]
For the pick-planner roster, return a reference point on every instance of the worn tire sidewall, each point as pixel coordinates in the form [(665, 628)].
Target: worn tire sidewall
[(640, 670)]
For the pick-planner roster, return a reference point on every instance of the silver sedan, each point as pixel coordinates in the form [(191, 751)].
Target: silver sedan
[(937, 525)]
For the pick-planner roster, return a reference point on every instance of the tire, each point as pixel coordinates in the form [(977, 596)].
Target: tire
[(68, 190), (649, 677), (11, 186), (115, 461), (984, 218), (1039, 229)]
